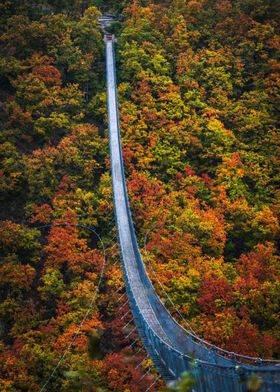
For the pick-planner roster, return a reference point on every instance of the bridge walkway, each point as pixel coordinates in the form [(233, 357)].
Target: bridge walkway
[(172, 348)]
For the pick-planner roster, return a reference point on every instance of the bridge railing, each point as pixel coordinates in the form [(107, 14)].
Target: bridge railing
[(213, 368)]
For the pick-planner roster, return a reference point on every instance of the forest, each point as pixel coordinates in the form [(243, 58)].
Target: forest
[(198, 89)]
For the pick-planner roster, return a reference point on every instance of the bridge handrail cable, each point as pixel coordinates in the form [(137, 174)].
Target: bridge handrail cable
[(148, 284)]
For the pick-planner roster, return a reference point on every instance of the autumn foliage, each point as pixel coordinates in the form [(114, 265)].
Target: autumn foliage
[(198, 93)]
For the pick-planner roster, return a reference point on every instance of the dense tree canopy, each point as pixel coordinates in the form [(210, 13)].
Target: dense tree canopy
[(199, 117), (198, 94)]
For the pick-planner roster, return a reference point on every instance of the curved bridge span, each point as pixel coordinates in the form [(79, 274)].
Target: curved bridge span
[(172, 349)]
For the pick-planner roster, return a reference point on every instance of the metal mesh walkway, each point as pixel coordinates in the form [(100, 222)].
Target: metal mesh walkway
[(172, 348)]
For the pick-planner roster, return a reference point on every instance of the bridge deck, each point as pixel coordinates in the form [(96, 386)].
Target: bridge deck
[(122, 213), (170, 347)]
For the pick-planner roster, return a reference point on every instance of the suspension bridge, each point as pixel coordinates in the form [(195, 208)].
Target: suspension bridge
[(172, 349)]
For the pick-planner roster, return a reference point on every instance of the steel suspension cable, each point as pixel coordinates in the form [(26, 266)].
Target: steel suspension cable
[(161, 285), (212, 347), (91, 302)]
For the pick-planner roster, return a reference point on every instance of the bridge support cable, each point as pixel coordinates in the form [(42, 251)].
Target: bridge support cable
[(170, 346), (161, 285), (153, 384), (91, 304)]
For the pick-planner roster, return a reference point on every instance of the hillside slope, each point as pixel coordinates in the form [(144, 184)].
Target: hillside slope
[(198, 93)]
